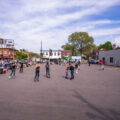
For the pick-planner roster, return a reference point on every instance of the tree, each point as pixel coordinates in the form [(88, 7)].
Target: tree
[(32, 54), (106, 46), (80, 43), (21, 55), (67, 46)]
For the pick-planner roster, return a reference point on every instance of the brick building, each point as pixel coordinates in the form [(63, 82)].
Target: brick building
[(66, 53), (7, 50), (7, 53)]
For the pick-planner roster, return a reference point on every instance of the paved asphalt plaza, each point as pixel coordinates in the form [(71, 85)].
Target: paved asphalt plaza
[(93, 95)]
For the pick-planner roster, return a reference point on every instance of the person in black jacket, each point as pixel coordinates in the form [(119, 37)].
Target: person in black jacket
[(47, 66), (13, 70), (21, 67), (37, 71), (72, 71)]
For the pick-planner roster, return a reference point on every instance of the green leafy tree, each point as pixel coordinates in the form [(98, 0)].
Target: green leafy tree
[(80, 43), (21, 55), (31, 54), (67, 46), (106, 46)]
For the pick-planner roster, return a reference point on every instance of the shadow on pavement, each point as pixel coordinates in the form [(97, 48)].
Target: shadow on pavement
[(98, 113)]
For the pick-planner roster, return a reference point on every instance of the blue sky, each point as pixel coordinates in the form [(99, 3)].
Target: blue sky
[(52, 21)]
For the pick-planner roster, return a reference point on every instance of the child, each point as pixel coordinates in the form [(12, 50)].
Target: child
[(76, 67), (66, 76)]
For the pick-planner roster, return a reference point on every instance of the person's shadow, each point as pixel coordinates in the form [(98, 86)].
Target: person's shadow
[(97, 113)]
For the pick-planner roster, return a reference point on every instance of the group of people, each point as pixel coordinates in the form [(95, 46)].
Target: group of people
[(100, 62), (37, 71), (72, 69), (13, 68)]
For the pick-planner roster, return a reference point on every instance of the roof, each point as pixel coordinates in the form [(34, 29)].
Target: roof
[(111, 50)]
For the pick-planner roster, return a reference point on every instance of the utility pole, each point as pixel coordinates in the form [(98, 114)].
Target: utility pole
[(41, 52)]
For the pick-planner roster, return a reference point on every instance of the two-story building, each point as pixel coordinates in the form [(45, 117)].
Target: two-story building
[(7, 53), (56, 54)]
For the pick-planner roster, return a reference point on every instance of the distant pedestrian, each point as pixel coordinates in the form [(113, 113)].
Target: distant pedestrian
[(101, 65), (76, 67), (37, 71), (47, 66), (89, 61), (21, 67), (13, 70), (72, 71)]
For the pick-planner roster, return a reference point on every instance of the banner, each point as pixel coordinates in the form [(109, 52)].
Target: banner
[(9, 42)]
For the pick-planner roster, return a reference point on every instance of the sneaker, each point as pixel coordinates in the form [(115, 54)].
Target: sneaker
[(10, 77)]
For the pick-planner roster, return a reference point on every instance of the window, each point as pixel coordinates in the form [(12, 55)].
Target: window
[(9, 53), (68, 54), (5, 52), (111, 59), (58, 53), (0, 52), (46, 53)]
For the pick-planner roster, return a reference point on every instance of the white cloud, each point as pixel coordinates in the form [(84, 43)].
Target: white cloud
[(117, 41), (36, 20)]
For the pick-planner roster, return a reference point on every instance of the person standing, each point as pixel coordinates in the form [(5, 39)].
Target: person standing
[(101, 65), (66, 73), (76, 67), (89, 61), (13, 70), (37, 71), (21, 67), (47, 70), (72, 71)]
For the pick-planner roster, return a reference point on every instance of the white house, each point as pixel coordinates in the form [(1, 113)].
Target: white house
[(111, 57), (56, 54)]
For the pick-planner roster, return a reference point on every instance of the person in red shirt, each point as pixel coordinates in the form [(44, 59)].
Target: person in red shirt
[(101, 65)]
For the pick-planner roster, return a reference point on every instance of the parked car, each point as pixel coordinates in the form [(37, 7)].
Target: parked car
[(93, 61), (7, 64)]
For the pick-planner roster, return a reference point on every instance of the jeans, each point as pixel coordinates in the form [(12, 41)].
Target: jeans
[(47, 72), (36, 75), (13, 72), (72, 74)]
